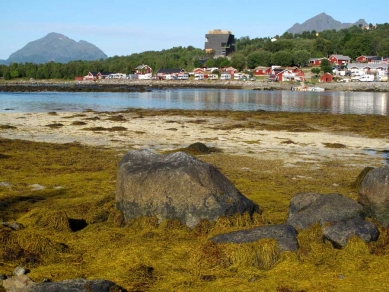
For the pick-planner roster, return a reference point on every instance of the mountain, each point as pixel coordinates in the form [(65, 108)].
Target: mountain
[(58, 48), (322, 22)]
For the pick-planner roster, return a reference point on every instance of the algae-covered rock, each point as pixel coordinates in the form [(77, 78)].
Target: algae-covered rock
[(373, 195), (285, 235), (175, 186)]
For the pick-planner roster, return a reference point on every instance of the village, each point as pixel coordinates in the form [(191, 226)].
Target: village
[(364, 68)]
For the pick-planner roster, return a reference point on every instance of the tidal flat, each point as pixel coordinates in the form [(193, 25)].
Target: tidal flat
[(58, 173)]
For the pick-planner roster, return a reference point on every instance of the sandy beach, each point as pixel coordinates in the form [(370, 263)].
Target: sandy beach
[(163, 132)]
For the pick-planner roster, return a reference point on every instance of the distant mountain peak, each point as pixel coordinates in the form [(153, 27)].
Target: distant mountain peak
[(320, 23), (58, 48)]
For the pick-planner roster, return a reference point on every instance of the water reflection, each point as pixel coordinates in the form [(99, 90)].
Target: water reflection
[(208, 99)]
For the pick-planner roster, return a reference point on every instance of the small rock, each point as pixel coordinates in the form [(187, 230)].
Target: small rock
[(19, 271)]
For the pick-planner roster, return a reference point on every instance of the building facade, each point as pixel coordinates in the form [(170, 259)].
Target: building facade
[(221, 42)]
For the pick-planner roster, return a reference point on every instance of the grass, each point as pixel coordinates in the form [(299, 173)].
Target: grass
[(72, 229)]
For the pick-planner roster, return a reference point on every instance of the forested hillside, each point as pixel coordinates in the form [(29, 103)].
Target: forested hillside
[(289, 49)]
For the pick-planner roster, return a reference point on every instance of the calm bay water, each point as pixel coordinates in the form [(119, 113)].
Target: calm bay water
[(196, 99)]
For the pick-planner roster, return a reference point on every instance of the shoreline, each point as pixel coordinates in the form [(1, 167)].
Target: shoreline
[(126, 85), (272, 135)]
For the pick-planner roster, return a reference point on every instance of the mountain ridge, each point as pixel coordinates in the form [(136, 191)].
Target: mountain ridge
[(58, 48), (320, 23)]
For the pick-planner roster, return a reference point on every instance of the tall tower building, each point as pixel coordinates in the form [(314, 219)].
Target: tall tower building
[(220, 41)]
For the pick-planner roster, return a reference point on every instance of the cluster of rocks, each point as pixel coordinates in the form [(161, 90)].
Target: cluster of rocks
[(179, 186)]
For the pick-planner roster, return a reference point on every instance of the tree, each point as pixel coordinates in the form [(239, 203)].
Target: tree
[(326, 66), (301, 57), (6, 74), (315, 71), (282, 58), (238, 61), (258, 58), (210, 63), (196, 63), (323, 46)]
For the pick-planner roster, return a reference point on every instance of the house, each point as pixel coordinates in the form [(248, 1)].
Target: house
[(79, 78), (262, 71), (229, 70), (276, 74), (143, 69), (289, 74), (339, 59), (163, 72), (326, 78), (369, 68), (103, 75), (220, 42), (91, 76), (198, 71), (366, 59), (372, 59), (316, 61)]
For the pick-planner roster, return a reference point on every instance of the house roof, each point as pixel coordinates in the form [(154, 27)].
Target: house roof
[(105, 73), (261, 68), (142, 66), (368, 57), (315, 59), (370, 65), (341, 57)]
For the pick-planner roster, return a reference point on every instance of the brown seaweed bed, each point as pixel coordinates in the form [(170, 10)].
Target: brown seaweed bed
[(63, 194)]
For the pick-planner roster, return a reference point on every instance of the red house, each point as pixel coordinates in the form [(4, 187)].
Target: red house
[(326, 78), (143, 69), (339, 59), (229, 70), (199, 71), (262, 71), (315, 61), (366, 59), (91, 76), (372, 59)]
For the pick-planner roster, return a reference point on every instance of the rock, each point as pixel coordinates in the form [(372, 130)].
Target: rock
[(373, 195), (25, 284), (308, 208), (175, 186), (285, 234), (341, 232), (13, 225), (301, 201), (19, 271), (358, 181), (198, 148), (81, 285), (20, 283)]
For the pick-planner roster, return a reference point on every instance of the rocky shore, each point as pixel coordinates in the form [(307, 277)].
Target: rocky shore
[(119, 85)]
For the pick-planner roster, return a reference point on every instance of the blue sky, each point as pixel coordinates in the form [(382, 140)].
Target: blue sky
[(123, 27)]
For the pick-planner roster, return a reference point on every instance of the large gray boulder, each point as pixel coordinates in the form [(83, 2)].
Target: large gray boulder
[(286, 236), (175, 186), (308, 208), (373, 195), (339, 233)]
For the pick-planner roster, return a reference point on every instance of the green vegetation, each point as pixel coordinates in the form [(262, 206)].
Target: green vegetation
[(72, 229), (288, 50)]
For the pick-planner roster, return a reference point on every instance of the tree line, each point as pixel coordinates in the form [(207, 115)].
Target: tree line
[(287, 50)]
